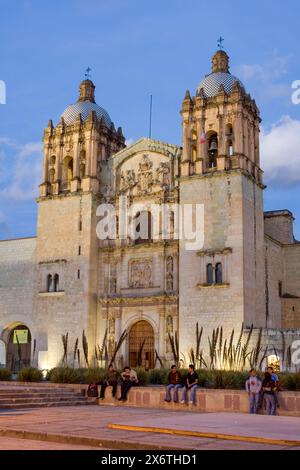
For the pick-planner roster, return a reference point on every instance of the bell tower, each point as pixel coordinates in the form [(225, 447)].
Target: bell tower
[(77, 154), (222, 284)]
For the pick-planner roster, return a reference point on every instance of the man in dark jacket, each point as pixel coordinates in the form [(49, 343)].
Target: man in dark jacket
[(174, 381), (110, 379), (191, 385)]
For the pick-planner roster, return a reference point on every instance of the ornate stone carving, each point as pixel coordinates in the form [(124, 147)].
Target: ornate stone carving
[(163, 175), (145, 176), (128, 180), (140, 274)]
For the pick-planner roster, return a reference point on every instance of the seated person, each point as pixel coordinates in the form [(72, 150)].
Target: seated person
[(129, 378), (174, 381), (110, 379), (191, 385)]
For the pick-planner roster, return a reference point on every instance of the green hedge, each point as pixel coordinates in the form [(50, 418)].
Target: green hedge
[(5, 374), (30, 374), (214, 379)]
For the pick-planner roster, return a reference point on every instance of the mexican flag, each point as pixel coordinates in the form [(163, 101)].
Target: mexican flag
[(203, 138)]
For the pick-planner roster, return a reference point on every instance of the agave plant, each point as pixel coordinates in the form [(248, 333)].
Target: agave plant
[(85, 348), (65, 339)]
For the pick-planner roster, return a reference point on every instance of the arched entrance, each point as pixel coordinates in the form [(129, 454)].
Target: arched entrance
[(141, 345), (18, 351)]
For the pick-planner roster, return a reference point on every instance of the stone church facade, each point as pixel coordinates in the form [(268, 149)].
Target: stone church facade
[(67, 280)]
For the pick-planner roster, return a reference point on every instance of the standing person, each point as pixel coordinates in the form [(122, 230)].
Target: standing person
[(174, 381), (253, 387), (275, 378), (269, 388), (191, 385), (129, 378), (111, 379)]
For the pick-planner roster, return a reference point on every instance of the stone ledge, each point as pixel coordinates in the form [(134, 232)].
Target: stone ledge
[(52, 294), (207, 401)]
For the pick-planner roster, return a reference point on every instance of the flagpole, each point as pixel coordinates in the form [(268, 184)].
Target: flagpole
[(150, 121)]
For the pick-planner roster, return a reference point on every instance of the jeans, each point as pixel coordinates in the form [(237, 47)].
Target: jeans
[(192, 393), (125, 386), (270, 403), (168, 391), (254, 402), (107, 384)]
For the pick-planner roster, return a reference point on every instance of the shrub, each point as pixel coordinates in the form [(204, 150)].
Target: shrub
[(65, 375), (30, 374), (158, 376), (92, 375), (143, 376), (290, 381), (5, 374)]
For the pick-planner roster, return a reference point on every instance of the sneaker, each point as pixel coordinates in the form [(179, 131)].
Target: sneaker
[(182, 402), (191, 402), (120, 399), (168, 401)]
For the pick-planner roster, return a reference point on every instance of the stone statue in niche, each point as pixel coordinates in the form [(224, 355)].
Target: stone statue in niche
[(113, 279), (170, 284), (145, 176), (140, 273), (169, 324), (111, 326), (169, 274)]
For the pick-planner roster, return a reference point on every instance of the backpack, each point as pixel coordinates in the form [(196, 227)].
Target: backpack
[(92, 391)]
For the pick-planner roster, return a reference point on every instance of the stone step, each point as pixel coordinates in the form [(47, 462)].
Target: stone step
[(33, 390), (39, 394), (46, 404), (33, 399)]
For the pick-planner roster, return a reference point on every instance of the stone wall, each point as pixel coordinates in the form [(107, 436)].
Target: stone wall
[(16, 282), (279, 225)]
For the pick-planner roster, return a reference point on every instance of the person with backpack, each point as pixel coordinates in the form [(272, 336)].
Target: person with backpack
[(111, 379), (191, 385), (253, 387), (275, 378), (174, 381), (269, 389)]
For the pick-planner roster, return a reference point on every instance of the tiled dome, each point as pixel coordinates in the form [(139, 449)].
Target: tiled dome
[(84, 108), (211, 83)]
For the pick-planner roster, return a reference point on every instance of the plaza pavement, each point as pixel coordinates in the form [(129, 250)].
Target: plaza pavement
[(88, 427)]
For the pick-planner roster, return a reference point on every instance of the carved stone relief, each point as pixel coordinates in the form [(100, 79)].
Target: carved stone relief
[(140, 273)]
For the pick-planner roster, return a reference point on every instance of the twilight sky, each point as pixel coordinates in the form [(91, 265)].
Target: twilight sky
[(134, 48)]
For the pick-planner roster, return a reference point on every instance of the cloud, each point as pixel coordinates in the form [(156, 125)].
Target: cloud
[(20, 170), (280, 152), (268, 77)]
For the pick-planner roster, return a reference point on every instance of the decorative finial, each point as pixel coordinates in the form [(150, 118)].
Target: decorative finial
[(220, 40), (87, 73)]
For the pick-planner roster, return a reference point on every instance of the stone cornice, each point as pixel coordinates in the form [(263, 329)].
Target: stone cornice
[(151, 299), (220, 251)]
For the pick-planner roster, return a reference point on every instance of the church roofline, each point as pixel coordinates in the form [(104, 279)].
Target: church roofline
[(145, 144), (278, 213), (18, 238)]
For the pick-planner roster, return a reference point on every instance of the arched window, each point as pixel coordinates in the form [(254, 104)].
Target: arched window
[(143, 227), (229, 148), (49, 283), (53, 160), (82, 170), (56, 283), (68, 168), (213, 149), (209, 274), (218, 273)]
